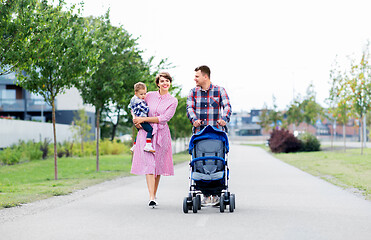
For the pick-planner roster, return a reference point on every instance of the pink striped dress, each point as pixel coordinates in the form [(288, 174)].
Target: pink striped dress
[(160, 162)]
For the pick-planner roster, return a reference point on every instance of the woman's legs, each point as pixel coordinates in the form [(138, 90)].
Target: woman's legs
[(157, 181), (152, 184)]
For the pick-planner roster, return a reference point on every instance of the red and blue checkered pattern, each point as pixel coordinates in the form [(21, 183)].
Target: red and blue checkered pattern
[(208, 106)]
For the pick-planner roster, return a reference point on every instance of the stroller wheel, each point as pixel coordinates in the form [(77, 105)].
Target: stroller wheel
[(195, 205), (199, 201), (231, 203), (234, 200), (222, 204), (185, 205)]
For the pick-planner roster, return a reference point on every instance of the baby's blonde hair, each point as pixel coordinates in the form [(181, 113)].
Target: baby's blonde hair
[(139, 86)]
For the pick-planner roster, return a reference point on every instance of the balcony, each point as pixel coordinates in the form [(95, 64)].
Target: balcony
[(18, 105)]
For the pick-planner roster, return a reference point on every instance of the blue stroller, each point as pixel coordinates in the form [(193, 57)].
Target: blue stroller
[(209, 172)]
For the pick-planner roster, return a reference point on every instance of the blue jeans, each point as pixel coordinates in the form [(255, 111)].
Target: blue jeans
[(148, 128)]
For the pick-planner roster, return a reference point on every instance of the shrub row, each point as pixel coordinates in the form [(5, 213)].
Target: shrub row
[(23, 151), (282, 141), (29, 151)]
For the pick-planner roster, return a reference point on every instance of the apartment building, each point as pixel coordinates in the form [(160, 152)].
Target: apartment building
[(18, 103)]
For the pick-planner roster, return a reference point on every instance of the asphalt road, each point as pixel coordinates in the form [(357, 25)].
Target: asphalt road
[(273, 201)]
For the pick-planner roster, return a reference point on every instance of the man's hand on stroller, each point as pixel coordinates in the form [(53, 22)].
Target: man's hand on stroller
[(197, 123), (221, 122)]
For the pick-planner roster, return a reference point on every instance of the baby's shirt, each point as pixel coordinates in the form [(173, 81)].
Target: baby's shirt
[(139, 107)]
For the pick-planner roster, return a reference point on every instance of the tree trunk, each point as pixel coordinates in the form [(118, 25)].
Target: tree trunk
[(114, 126), (97, 137), (55, 142)]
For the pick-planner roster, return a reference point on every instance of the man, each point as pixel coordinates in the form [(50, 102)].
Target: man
[(207, 104)]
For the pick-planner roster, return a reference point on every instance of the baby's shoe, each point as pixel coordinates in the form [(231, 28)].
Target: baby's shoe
[(148, 148)]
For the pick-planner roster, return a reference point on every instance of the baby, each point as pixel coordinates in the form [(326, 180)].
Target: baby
[(140, 109)]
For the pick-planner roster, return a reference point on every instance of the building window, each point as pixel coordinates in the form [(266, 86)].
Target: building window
[(8, 94)]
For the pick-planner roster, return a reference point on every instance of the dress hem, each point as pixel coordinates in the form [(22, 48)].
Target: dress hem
[(158, 174)]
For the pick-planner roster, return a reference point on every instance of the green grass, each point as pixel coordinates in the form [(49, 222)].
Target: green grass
[(349, 169), (31, 181)]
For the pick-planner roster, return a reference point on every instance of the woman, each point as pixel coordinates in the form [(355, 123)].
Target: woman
[(162, 107)]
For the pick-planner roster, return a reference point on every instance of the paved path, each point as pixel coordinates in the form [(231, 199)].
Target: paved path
[(273, 201)]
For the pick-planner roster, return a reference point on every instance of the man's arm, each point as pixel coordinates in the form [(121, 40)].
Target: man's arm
[(191, 107), (226, 105)]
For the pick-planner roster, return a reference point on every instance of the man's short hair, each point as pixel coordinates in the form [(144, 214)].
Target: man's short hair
[(139, 86), (204, 70)]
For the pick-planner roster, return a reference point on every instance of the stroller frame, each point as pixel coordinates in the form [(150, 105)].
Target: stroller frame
[(215, 181)]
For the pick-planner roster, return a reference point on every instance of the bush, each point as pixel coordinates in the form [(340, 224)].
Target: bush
[(309, 142), (30, 150), (10, 156), (108, 147), (89, 149), (68, 148), (34, 152), (21, 152), (283, 141), (44, 147), (60, 150), (64, 149)]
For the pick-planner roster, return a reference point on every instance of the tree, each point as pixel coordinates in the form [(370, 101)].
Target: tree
[(358, 89), (275, 116), (270, 118), (179, 124), (295, 113), (311, 109), (132, 70), (60, 54), (117, 46), (81, 127), (17, 24), (264, 120), (368, 122), (340, 108)]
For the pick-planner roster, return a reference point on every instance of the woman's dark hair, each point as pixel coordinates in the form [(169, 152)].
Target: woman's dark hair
[(204, 70), (163, 74)]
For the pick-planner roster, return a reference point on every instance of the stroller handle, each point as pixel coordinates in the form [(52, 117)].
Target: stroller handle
[(203, 125)]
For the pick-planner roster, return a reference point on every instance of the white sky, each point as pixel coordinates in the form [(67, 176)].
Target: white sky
[(255, 49)]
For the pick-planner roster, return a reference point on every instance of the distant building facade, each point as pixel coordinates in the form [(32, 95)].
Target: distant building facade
[(247, 124), (18, 103)]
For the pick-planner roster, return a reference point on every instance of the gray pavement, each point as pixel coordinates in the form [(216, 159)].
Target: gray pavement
[(273, 201)]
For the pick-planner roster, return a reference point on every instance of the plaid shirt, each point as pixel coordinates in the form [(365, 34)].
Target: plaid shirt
[(139, 107), (207, 105)]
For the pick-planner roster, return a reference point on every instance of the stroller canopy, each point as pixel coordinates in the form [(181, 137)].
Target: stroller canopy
[(209, 132)]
